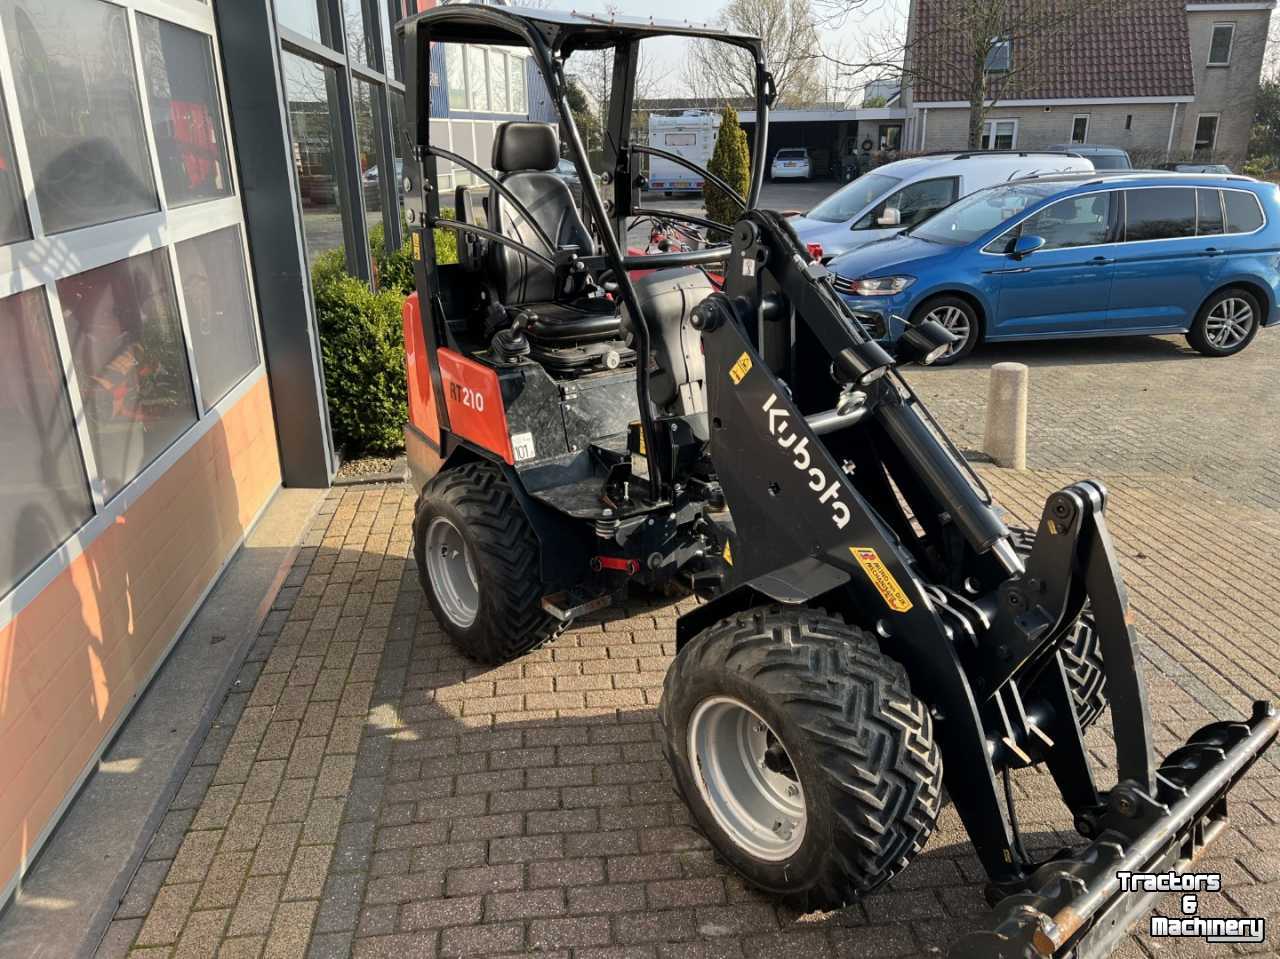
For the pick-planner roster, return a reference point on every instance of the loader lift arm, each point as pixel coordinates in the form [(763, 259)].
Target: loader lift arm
[(999, 689)]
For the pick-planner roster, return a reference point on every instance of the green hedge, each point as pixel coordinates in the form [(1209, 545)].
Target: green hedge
[(362, 343)]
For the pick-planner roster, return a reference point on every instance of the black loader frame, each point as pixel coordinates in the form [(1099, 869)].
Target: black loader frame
[(816, 479)]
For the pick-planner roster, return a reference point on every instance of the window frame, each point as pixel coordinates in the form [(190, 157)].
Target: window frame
[(882, 204), (1262, 211), (1213, 144), (43, 259), (1015, 228), (1074, 120), (989, 132), (999, 44), (1231, 43), (1124, 220)]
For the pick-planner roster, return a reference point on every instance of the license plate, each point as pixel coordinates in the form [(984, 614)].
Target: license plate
[(683, 184)]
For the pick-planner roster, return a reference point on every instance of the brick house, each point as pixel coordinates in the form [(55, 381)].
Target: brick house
[(1163, 79)]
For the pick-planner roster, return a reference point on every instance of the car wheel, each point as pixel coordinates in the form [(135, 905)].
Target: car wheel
[(1226, 324), (959, 317)]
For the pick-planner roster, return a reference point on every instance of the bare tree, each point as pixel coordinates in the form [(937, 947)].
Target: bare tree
[(592, 70), (793, 50), (976, 51)]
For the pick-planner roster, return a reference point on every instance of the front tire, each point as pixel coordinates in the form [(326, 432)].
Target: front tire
[(959, 317), (1226, 324), (480, 564), (801, 753)]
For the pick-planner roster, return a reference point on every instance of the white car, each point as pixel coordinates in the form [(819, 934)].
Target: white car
[(791, 163), (898, 195)]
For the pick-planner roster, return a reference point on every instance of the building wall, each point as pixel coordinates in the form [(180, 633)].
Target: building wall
[(75, 659), (137, 442), (1228, 91), (1142, 127)]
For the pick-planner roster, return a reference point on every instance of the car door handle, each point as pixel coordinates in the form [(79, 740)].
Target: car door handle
[(1102, 260), (1211, 251)]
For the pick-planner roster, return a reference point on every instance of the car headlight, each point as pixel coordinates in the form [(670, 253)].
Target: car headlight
[(881, 285)]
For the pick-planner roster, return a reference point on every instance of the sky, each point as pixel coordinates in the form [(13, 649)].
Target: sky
[(871, 16)]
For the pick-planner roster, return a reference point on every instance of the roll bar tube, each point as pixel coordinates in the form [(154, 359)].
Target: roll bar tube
[(677, 158), (495, 183), (488, 234)]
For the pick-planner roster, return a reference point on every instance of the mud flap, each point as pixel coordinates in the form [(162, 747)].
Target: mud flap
[(1076, 907)]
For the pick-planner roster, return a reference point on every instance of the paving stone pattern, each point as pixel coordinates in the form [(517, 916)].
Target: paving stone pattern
[(368, 791)]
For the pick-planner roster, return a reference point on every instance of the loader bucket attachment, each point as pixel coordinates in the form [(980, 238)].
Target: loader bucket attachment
[(1080, 906)]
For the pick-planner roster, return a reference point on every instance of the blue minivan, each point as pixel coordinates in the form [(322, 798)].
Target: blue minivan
[(1083, 255)]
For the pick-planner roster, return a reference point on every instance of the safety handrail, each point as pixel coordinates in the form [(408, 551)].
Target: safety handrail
[(440, 221), (496, 184), (684, 162)]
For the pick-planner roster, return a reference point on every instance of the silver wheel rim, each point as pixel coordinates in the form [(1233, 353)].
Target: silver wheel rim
[(738, 762), (1228, 323), (452, 572), (956, 321)]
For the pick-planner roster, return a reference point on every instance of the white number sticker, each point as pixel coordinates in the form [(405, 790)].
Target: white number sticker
[(522, 446)]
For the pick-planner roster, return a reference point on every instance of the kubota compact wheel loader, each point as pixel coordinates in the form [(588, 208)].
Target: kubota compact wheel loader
[(583, 417)]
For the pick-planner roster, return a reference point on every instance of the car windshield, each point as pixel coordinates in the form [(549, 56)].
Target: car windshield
[(968, 219), (1109, 161), (851, 199)]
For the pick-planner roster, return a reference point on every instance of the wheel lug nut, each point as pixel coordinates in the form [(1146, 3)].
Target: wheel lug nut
[(793, 790)]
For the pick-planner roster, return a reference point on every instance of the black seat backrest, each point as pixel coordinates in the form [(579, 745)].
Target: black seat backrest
[(524, 154)]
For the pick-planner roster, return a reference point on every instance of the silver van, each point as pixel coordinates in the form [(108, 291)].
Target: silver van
[(898, 195)]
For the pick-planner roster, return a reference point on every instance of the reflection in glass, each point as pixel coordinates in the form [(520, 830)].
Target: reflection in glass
[(477, 82), (44, 497), (455, 74), (358, 36), (390, 55), (130, 362), (366, 111), (515, 75), (185, 114), (79, 107), (300, 16), (13, 211), (498, 81), (215, 291), (312, 94)]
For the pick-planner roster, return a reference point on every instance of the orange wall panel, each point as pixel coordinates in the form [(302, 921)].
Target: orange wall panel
[(74, 659)]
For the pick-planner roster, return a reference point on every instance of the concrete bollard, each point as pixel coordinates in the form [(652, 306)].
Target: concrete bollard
[(1005, 440)]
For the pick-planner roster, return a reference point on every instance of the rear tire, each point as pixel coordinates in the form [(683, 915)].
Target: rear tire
[(1081, 654), (801, 753), (958, 316), (480, 564), (1226, 324)]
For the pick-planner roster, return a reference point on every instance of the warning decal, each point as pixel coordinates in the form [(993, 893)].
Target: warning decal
[(740, 369), (894, 595), (728, 553)]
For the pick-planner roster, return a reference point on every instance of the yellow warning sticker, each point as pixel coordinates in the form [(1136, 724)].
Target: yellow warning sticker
[(417, 245), (728, 553), (740, 369), (895, 596)]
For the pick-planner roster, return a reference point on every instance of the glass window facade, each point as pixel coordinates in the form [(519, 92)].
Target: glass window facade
[(215, 290), (185, 114), (367, 108), (44, 497), (131, 362), (312, 96), (81, 114), (120, 115)]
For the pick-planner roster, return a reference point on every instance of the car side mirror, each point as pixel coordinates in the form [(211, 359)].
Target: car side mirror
[(1025, 246), (889, 216)]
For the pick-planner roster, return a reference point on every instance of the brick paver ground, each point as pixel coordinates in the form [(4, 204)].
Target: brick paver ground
[(367, 790)]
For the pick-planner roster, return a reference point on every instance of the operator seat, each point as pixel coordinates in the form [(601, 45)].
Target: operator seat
[(524, 154)]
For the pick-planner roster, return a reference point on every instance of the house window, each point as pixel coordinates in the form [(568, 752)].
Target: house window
[(1000, 55), (1080, 128), (515, 77), (477, 79), (455, 70), (498, 82), (1220, 44), (1206, 133), (999, 134)]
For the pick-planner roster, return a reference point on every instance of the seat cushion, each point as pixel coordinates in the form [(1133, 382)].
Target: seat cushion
[(564, 324)]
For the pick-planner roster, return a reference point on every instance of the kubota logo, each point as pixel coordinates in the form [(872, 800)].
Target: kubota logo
[(798, 447)]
